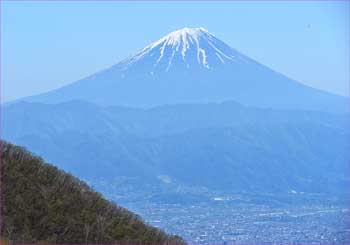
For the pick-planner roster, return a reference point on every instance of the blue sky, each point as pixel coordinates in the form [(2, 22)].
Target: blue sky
[(46, 45)]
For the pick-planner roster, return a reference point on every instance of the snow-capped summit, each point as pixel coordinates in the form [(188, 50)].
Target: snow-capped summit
[(191, 65), (184, 35), (188, 47)]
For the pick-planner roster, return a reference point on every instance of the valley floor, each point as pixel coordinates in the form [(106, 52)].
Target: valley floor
[(250, 224)]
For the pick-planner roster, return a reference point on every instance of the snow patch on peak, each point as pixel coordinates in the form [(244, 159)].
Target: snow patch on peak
[(195, 47), (179, 41), (183, 33), (180, 38)]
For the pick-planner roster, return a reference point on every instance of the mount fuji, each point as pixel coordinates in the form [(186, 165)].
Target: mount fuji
[(202, 138), (191, 65)]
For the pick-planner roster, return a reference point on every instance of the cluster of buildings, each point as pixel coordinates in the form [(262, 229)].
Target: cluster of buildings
[(251, 224)]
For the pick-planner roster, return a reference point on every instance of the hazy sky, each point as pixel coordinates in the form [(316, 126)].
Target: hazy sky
[(45, 45)]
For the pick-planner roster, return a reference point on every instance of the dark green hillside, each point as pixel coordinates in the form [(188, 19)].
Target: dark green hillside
[(42, 204)]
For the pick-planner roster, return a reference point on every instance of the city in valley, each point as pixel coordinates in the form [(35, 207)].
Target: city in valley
[(214, 217), (254, 224)]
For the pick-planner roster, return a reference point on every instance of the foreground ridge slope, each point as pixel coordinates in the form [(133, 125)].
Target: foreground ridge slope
[(42, 204)]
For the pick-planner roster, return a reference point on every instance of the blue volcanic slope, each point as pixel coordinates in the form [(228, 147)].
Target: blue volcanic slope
[(191, 65)]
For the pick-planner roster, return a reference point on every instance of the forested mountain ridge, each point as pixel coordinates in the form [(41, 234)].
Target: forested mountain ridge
[(305, 151), (42, 204)]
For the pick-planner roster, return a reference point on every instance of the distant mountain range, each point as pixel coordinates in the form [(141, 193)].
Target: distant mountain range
[(191, 65), (223, 146)]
